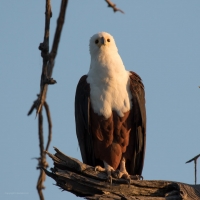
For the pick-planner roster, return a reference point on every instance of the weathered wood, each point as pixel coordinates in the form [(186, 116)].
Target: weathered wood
[(82, 180)]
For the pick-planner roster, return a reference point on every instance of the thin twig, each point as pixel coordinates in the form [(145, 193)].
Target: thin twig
[(44, 48), (60, 22), (34, 106), (195, 171), (42, 160), (49, 123), (40, 186), (193, 158), (113, 6), (40, 132), (195, 167)]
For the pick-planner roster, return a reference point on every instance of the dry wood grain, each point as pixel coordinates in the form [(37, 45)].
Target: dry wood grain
[(82, 180)]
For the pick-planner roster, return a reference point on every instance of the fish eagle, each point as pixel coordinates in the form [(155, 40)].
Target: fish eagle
[(110, 112)]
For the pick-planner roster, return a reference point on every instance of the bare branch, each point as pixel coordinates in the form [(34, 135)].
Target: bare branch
[(49, 123), (40, 186), (113, 6), (195, 167), (60, 22), (40, 132), (49, 59), (42, 163), (44, 47), (47, 70), (195, 158)]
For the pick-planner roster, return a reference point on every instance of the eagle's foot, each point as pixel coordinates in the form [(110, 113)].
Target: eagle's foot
[(108, 169), (121, 174)]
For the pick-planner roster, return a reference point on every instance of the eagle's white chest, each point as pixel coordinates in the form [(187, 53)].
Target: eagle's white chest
[(109, 87)]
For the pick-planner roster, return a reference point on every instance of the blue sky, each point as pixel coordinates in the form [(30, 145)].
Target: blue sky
[(159, 40)]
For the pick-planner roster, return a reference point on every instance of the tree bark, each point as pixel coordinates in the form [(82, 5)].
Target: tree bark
[(82, 180)]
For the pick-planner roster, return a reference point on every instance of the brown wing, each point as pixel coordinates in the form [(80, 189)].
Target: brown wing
[(82, 117), (137, 142)]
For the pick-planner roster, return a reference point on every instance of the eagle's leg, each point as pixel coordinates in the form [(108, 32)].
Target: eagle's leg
[(108, 169), (122, 171)]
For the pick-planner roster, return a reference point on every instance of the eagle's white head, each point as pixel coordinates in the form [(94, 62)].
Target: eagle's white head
[(104, 55), (102, 42)]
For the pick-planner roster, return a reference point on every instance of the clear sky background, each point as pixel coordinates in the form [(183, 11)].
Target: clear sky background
[(158, 39)]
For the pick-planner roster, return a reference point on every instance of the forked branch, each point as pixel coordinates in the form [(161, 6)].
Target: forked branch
[(47, 70), (49, 58), (195, 167)]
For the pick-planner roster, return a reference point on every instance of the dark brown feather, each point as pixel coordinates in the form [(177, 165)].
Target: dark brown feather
[(82, 117)]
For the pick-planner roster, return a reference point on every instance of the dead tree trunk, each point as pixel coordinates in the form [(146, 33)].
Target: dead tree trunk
[(82, 180)]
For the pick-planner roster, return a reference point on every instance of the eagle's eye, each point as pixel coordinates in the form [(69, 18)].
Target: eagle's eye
[(96, 41), (108, 40)]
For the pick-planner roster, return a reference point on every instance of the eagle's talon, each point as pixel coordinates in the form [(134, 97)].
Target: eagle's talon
[(109, 179), (126, 176), (129, 181), (140, 177), (115, 174), (137, 177), (99, 169)]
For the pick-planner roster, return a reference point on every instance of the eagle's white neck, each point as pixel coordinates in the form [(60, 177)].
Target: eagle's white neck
[(109, 84)]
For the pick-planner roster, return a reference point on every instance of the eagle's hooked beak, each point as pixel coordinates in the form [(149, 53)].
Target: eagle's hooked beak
[(103, 41)]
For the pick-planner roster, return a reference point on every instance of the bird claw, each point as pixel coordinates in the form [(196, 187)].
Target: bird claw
[(137, 177), (109, 173), (125, 176), (120, 174), (115, 174), (109, 179), (99, 169)]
